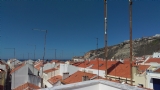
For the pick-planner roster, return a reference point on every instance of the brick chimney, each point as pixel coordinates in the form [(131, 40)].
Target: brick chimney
[(65, 75)]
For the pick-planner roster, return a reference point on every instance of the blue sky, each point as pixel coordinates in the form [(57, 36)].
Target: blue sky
[(73, 25)]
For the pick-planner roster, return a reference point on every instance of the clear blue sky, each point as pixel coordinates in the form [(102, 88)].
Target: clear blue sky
[(72, 25)]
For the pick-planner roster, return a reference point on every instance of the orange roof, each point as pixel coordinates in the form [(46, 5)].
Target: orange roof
[(38, 65), (120, 69), (55, 79), (49, 70), (18, 67), (27, 86), (143, 68), (77, 77), (153, 60)]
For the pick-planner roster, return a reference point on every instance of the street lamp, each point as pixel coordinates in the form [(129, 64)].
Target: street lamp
[(34, 50)]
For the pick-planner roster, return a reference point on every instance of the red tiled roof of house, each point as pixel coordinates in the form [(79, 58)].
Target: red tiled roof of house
[(55, 79), (27, 86), (153, 60), (143, 68), (38, 65), (18, 67), (157, 71), (120, 70), (77, 77), (49, 70)]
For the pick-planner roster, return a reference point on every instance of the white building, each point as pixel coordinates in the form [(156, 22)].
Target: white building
[(156, 55), (94, 85), (153, 79), (13, 62), (24, 73)]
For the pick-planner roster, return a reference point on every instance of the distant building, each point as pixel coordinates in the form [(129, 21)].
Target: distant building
[(156, 55)]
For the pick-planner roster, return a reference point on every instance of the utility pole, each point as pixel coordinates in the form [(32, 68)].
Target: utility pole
[(130, 21), (97, 43), (105, 33), (54, 53)]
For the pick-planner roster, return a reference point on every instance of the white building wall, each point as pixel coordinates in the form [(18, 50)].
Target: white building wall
[(156, 55), (102, 87), (91, 87), (34, 80), (67, 68), (151, 75), (48, 66), (19, 77), (94, 71)]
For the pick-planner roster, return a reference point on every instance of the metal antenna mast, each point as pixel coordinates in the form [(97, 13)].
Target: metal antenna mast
[(105, 32), (130, 20), (44, 51)]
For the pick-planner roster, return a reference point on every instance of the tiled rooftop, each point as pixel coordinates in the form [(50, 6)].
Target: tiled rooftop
[(38, 65), (18, 67), (27, 86), (77, 77), (157, 60), (50, 70), (54, 79)]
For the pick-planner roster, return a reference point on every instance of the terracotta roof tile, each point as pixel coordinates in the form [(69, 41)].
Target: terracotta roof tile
[(18, 67), (38, 65), (27, 86), (143, 68), (49, 70), (77, 77), (55, 79), (153, 60)]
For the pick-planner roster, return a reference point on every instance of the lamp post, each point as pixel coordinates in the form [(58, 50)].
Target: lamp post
[(44, 50)]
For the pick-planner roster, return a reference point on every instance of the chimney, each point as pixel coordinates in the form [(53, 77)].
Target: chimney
[(65, 75), (85, 78)]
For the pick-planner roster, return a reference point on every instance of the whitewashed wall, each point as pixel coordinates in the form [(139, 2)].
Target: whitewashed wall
[(94, 71), (151, 75), (21, 76), (156, 55), (68, 68)]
